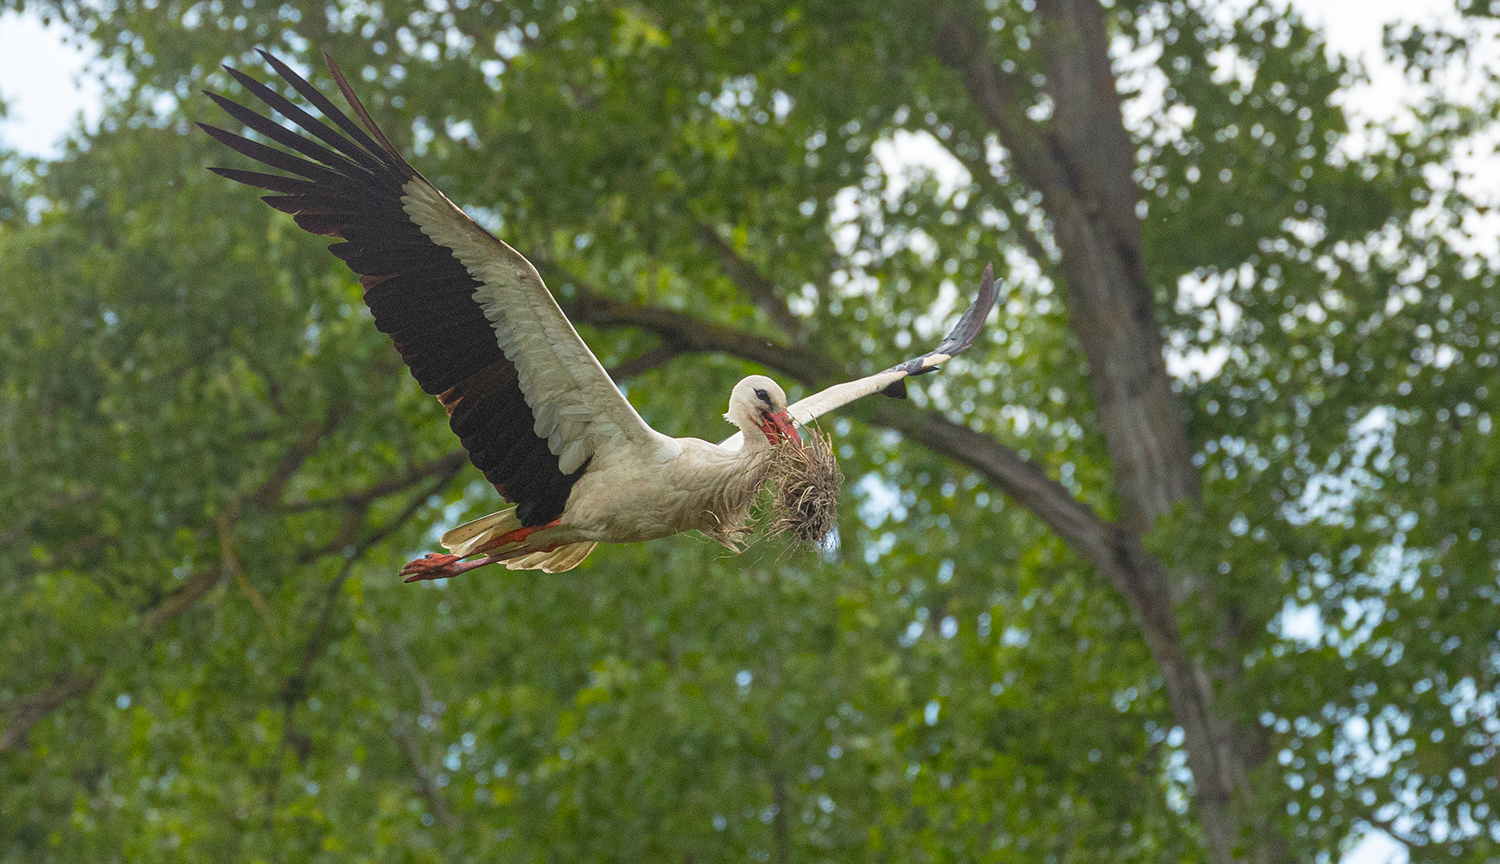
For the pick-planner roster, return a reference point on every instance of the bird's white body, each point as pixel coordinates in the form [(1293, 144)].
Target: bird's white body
[(536, 411), (688, 485), (644, 492)]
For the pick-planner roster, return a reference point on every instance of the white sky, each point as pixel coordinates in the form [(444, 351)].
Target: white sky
[(43, 85)]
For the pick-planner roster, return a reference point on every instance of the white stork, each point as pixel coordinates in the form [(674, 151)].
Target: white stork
[(532, 406)]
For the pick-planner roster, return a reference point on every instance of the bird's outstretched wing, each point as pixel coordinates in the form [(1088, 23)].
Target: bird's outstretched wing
[(892, 381), (468, 313)]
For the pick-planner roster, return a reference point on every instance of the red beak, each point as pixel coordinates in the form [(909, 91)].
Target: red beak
[(778, 427)]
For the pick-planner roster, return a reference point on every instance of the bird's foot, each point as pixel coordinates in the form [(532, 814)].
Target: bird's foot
[(434, 566), (431, 566)]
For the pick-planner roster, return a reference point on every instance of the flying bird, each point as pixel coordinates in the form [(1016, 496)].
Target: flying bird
[(532, 406)]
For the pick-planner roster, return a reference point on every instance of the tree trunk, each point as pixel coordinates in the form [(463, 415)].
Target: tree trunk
[(1082, 162)]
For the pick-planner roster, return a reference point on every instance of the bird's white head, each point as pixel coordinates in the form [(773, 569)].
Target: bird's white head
[(758, 406)]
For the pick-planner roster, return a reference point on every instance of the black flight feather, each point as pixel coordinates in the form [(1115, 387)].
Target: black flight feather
[(350, 187)]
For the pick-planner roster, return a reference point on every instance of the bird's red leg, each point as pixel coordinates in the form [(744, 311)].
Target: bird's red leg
[(515, 536), (436, 566)]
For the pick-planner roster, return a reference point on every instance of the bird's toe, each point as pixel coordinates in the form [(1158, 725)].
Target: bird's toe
[(429, 566)]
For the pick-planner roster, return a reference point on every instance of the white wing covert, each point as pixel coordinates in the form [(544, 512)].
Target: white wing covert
[(578, 409)]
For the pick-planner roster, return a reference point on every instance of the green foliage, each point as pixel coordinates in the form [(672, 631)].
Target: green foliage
[(213, 464)]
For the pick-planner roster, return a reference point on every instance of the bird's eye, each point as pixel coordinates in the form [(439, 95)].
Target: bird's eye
[(763, 396)]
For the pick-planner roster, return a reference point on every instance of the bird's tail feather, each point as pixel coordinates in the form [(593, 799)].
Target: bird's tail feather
[(463, 540), (559, 559), (467, 538)]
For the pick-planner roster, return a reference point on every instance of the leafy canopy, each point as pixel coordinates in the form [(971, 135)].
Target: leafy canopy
[(213, 463)]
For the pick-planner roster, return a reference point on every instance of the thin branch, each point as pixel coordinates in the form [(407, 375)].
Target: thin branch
[(231, 564), (760, 289), (425, 786), (189, 593), (26, 710), (342, 538), (317, 640), (446, 464), (973, 159), (690, 334), (961, 47), (780, 831), (264, 495), (402, 732), (295, 687), (1389, 827), (424, 687), (291, 461), (657, 357)]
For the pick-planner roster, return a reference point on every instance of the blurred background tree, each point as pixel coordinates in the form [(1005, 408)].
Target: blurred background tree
[(1194, 559)]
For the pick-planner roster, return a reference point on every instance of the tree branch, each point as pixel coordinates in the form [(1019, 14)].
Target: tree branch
[(1073, 521), (295, 687), (425, 787), (780, 831), (29, 709), (979, 169), (317, 640), (961, 47), (687, 334), (26, 710), (761, 290), (291, 461), (181, 600), (657, 357), (1389, 827), (231, 565), (424, 783), (446, 464)]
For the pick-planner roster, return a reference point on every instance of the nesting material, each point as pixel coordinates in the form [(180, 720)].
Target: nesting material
[(805, 485)]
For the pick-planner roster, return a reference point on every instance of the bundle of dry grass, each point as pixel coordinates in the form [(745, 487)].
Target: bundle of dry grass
[(805, 485)]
